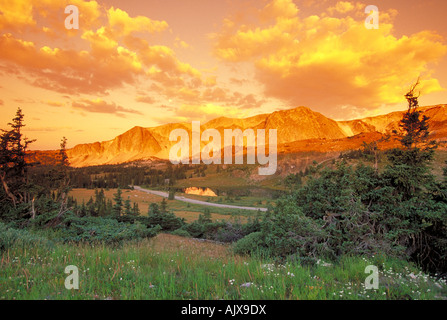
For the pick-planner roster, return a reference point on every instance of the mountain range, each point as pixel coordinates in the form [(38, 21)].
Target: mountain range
[(298, 129)]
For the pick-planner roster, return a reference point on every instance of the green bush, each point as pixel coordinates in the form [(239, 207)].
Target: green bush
[(287, 231), (195, 229), (167, 221), (181, 233), (20, 238), (229, 232), (105, 230), (221, 231), (250, 243)]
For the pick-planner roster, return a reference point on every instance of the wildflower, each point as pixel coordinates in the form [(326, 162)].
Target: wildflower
[(323, 264), (246, 285)]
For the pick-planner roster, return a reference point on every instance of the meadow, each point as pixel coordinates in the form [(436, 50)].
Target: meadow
[(189, 211), (172, 267)]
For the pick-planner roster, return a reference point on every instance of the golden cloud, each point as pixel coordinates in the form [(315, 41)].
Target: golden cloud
[(54, 103), (109, 51), (342, 7), (101, 106), (145, 99), (324, 61), (121, 24), (204, 113), (16, 15)]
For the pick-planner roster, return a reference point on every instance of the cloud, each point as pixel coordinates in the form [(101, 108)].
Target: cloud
[(45, 129), (101, 106), (69, 71), (37, 16), (109, 50), (16, 15), (248, 101), (54, 103), (145, 99), (342, 7), (204, 113), (238, 81), (24, 100), (190, 94), (324, 61), (121, 24), (181, 44)]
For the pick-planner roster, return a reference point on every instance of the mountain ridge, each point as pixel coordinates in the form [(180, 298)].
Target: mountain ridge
[(300, 127)]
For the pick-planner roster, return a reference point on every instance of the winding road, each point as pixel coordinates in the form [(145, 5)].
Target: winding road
[(181, 198)]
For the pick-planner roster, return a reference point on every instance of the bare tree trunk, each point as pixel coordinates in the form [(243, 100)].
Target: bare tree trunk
[(33, 211), (376, 164), (63, 208), (6, 188)]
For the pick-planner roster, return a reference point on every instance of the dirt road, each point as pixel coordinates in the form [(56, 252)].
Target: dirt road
[(181, 198)]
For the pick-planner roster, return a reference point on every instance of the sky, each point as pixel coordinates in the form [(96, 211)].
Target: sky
[(146, 63)]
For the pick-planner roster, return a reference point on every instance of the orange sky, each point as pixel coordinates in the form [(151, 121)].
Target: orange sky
[(151, 62)]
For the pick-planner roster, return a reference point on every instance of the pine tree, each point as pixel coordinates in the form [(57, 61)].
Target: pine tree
[(409, 170), (164, 206), (153, 209), (127, 207), (64, 178), (419, 209), (109, 207), (136, 209), (118, 206), (91, 208), (99, 197), (415, 129), (13, 166)]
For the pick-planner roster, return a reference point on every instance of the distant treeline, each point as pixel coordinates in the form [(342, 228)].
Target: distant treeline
[(116, 176)]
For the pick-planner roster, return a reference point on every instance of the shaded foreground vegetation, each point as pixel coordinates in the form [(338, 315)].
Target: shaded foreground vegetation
[(172, 267)]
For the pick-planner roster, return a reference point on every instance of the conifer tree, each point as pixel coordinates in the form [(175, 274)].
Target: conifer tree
[(63, 177), (153, 209), (136, 209), (409, 170), (118, 206), (13, 165), (164, 206), (127, 207)]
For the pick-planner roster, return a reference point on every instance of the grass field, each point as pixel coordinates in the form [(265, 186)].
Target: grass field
[(246, 201), (189, 211), (171, 267)]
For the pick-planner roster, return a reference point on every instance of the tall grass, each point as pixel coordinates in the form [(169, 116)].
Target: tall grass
[(171, 267)]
